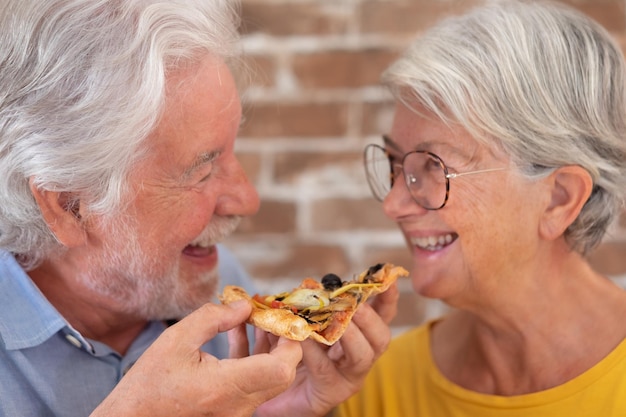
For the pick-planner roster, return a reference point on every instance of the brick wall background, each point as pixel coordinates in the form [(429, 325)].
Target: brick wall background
[(312, 105)]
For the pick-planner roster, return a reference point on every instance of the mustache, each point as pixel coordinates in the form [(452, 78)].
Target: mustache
[(218, 229)]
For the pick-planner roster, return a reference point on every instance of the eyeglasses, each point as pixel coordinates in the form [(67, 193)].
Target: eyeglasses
[(425, 175)]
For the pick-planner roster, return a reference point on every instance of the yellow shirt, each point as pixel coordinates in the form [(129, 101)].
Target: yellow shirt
[(406, 383)]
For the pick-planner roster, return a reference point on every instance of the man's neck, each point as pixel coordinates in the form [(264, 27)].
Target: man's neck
[(91, 315)]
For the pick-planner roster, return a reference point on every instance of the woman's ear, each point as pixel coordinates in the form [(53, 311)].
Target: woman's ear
[(61, 212), (570, 187)]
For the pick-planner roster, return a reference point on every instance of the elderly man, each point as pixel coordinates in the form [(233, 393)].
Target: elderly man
[(117, 179)]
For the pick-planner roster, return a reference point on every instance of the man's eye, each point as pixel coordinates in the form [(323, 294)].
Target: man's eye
[(207, 175), (203, 167)]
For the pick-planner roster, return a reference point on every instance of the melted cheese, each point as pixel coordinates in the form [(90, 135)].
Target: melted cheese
[(307, 300), (310, 299), (349, 287)]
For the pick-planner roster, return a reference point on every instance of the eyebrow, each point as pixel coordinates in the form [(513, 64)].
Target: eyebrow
[(390, 143), (201, 160)]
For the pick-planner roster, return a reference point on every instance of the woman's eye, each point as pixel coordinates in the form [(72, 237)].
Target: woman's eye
[(393, 159), (433, 164)]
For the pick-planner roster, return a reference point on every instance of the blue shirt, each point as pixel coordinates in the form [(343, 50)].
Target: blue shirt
[(47, 368)]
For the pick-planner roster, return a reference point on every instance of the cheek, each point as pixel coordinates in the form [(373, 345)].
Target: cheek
[(471, 207), (498, 228), (191, 217), (178, 221), (477, 215)]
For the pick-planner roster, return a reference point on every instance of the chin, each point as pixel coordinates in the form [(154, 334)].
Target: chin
[(173, 310), (178, 303), (427, 286)]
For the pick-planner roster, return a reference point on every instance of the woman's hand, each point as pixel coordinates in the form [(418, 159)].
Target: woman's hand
[(327, 375)]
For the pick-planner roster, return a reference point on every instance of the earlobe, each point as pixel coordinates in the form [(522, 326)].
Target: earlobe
[(570, 188), (61, 212)]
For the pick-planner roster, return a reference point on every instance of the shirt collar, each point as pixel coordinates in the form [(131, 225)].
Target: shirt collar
[(27, 318)]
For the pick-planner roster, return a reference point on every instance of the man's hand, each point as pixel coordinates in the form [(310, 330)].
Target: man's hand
[(174, 377)]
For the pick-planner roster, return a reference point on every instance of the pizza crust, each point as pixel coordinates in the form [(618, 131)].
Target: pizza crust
[(284, 322), (276, 321)]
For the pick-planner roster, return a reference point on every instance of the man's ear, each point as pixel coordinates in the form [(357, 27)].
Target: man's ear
[(61, 211), (570, 187)]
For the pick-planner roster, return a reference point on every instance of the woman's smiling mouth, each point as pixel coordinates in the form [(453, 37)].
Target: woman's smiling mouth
[(433, 243)]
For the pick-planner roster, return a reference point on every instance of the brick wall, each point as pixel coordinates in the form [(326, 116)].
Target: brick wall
[(311, 106)]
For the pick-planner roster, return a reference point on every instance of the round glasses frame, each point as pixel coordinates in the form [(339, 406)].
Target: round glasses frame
[(381, 190)]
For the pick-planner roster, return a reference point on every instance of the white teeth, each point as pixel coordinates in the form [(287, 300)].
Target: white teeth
[(432, 243)]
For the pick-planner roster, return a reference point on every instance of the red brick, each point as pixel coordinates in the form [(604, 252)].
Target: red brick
[(377, 117), (260, 70), (289, 19), (395, 255), (342, 68), (305, 260), (288, 166), (272, 217), (251, 163), (295, 119), (347, 214), (407, 17)]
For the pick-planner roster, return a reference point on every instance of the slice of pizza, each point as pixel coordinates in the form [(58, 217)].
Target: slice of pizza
[(319, 310)]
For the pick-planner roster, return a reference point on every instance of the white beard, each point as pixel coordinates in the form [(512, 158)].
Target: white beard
[(146, 285)]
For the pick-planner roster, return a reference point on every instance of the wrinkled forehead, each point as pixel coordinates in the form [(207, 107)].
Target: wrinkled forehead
[(415, 127)]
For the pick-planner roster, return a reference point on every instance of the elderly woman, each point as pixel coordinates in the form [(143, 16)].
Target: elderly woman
[(504, 167)]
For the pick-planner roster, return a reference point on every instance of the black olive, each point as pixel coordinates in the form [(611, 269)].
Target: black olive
[(331, 282), (375, 268), (370, 272)]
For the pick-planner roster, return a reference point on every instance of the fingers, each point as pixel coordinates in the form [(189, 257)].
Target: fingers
[(373, 328), (363, 342), (315, 355), (238, 346), (263, 341), (269, 374), (253, 380), (204, 323), (365, 339), (386, 304), (368, 334)]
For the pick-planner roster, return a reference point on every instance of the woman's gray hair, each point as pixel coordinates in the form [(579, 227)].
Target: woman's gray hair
[(543, 81), (82, 85)]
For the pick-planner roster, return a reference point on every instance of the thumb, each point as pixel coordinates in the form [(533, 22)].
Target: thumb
[(203, 324)]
